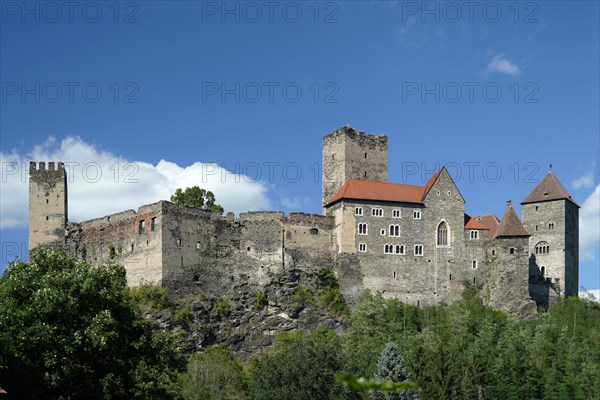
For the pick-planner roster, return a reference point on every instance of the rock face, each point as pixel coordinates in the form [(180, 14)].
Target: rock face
[(245, 319)]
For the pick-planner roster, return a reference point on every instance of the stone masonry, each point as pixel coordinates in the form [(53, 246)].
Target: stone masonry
[(414, 243)]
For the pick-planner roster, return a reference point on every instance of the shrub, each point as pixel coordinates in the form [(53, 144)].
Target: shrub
[(151, 295)]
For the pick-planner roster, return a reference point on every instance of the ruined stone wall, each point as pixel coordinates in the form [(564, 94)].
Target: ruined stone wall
[(47, 204), (120, 239), (349, 154)]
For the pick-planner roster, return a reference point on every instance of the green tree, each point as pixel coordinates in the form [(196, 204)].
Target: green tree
[(78, 333), (390, 367), (196, 197), (299, 367), (213, 375)]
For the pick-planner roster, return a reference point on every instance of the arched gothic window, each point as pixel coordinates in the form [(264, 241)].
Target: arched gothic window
[(442, 234)]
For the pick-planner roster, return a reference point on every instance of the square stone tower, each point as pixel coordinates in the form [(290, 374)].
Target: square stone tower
[(47, 204), (350, 154), (551, 216)]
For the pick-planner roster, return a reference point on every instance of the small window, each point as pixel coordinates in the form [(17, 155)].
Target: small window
[(314, 231), (382, 232), (46, 201), (416, 214), (511, 250), (142, 227), (474, 264), (197, 245), (543, 270), (394, 230), (198, 226), (176, 223), (396, 213), (450, 277), (449, 193), (442, 234), (551, 226), (362, 247), (536, 228), (542, 248), (474, 234), (153, 224), (395, 276), (179, 242), (418, 250), (365, 174), (388, 249), (358, 211), (478, 219), (493, 252), (365, 155), (46, 218), (362, 228), (400, 249), (536, 208), (288, 235), (438, 192), (131, 246), (377, 212)]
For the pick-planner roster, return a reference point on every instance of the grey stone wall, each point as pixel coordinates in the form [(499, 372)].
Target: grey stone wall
[(47, 204), (350, 154)]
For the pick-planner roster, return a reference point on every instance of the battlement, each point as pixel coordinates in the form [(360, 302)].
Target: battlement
[(41, 167), (368, 140)]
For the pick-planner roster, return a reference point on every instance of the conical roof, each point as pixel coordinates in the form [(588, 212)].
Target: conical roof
[(548, 189), (511, 225)]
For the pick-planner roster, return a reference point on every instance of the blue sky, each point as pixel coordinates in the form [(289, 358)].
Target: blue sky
[(236, 97)]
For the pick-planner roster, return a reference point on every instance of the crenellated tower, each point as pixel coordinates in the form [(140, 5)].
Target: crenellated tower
[(47, 204), (350, 154)]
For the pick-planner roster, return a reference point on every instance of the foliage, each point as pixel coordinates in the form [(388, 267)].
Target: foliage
[(183, 313), (196, 197), (327, 278), (303, 296), (224, 308), (77, 333), (368, 385), (299, 367), (151, 295), (213, 375), (330, 297), (111, 252), (261, 300), (390, 368)]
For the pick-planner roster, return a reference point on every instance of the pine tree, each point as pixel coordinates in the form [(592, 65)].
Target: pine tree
[(390, 367)]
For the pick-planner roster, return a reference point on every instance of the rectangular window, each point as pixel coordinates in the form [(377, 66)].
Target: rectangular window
[(358, 211), (400, 249), (153, 224), (142, 227), (198, 245), (418, 250), (362, 228), (416, 214), (396, 213), (551, 226), (474, 234), (179, 242), (362, 247), (377, 212), (395, 230)]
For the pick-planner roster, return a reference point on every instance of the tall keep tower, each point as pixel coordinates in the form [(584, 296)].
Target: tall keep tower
[(350, 154), (552, 217), (47, 204)]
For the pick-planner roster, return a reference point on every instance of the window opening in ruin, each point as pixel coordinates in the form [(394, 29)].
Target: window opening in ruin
[(418, 250), (442, 234), (511, 250), (288, 236), (141, 227), (314, 231), (153, 224), (247, 248)]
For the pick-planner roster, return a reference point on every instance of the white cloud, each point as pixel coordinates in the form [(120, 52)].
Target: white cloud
[(502, 65), (586, 181), (101, 183), (590, 295), (589, 226)]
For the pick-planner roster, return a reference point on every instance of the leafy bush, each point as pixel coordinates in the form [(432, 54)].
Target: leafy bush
[(332, 301), (303, 296), (151, 295), (224, 308), (261, 300), (182, 314)]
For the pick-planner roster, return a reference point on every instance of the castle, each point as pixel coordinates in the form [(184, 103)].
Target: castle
[(414, 243)]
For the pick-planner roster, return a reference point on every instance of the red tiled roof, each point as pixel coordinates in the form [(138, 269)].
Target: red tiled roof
[(430, 182), (472, 223), (380, 191), (548, 189)]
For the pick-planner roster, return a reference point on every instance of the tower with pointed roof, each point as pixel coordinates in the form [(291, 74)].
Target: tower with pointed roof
[(552, 217), (350, 154)]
